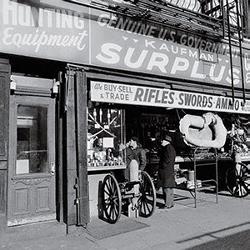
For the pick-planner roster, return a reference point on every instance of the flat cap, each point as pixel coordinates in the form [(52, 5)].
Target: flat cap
[(167, 138)]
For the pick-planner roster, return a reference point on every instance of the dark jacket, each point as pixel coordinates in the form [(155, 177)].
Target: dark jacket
[(137, 154), (166, 166)]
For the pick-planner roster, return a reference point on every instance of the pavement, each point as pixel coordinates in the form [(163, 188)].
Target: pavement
[(211, 225)]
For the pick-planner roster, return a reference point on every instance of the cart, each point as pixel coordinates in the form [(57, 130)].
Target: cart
[(237, 180), (139, 196)]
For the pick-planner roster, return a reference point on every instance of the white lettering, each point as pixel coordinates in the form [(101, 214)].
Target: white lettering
[(9, 13), (158, 60), (16, 14), (138, 63), (39, 39), (247, 62), (236, 78), (248, 78), (183, 39), (212, 73), (110, 55), (103, 20), (195, 73), (7, 36), (193, 53), (149, 44), (164, 47), (180, 64)]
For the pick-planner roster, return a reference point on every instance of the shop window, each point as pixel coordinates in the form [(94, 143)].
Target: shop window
[(105, 135), (248, 137)]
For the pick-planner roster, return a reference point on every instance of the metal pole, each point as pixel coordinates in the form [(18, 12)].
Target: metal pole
[(216, 169), (230, 49), (195, 181), (223, 16), (240, 46)]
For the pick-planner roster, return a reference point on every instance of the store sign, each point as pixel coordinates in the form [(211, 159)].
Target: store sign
[(73, 37), (158, 97), (133, 52), (45, 33)]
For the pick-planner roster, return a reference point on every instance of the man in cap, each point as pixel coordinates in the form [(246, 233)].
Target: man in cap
[(166, 170), (136, 152)]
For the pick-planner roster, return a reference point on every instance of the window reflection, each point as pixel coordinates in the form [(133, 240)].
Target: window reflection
[(32, 149)]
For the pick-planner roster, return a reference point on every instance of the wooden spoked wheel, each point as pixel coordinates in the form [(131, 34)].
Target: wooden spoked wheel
[(147, 200), (112, 203), (236, 180)]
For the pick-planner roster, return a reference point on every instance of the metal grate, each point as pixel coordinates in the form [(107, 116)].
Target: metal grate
[(185, 15), (193, 5)]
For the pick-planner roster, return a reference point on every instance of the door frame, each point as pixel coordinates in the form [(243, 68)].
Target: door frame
[(48, 102)]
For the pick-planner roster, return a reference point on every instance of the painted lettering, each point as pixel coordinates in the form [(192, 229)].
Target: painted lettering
[(109, 53), (138, 63), (180, 64), (138, 95), (158, 60)]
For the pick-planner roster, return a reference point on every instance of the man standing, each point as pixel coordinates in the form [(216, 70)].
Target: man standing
[(166, 170), (136, 152)]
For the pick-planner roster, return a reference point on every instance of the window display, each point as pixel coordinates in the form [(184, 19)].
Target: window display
[(105, 134)]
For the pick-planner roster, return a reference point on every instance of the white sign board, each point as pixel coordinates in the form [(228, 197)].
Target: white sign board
[(160, 97)]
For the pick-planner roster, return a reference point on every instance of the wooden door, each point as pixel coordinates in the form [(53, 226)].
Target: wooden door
[(31, 179)]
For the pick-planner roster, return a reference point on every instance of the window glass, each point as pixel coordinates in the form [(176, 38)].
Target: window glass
[(32, 147), (105, 135)]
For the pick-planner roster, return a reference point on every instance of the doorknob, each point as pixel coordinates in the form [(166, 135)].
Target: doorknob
[(52, 168)]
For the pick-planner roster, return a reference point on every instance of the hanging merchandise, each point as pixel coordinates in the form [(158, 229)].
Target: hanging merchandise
[(206, 131), (104, 138), (108, 115), (100, 115)]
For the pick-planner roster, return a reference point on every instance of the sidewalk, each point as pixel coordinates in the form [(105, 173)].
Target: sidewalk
[(181, 227)]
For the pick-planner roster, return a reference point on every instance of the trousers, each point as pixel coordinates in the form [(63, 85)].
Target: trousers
[(168, 194)]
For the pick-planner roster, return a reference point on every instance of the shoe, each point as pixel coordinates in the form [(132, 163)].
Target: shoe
[(162, 206), (168, 207)]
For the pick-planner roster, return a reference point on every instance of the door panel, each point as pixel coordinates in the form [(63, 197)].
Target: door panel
[(32, 160), (21, 199)]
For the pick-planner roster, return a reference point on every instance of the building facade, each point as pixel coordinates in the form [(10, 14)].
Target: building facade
[(79, 78)]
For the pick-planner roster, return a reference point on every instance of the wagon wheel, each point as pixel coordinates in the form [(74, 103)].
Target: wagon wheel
[(236, 181), (112, 201), (147, 200)]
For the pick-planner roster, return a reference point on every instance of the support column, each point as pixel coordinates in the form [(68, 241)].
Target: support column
[(4, 138)]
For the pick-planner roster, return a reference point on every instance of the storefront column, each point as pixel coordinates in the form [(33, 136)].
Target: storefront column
[(76, 127), (81, 137), (4, 124)]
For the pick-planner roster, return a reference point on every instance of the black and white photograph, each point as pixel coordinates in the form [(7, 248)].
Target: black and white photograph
[(125, 124)]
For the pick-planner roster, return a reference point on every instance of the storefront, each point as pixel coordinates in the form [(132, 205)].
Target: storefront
[(148, 113), (75, 88)]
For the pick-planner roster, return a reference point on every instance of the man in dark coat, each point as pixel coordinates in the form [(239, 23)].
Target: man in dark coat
[(166, 170)]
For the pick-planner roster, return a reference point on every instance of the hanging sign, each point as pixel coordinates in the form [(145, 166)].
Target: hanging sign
[(159, 97)]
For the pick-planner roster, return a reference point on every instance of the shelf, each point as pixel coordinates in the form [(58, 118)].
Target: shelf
[(206, 188), (106, 168), (203, 187), (208, 184), (180, 159), (245, 158)]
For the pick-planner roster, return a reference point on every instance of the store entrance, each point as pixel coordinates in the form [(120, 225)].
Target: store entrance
[(31, 180), (149, 124)]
